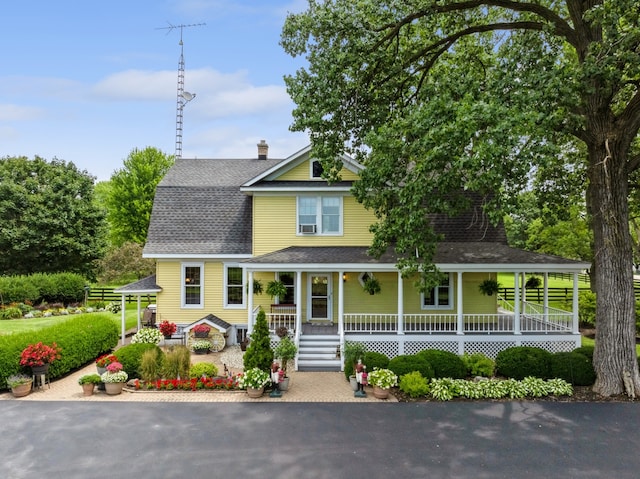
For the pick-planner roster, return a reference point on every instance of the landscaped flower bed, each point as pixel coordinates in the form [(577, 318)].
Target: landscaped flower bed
[(195, 384)]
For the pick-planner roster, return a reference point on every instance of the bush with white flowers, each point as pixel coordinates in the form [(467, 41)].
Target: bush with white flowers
[(147, 335)]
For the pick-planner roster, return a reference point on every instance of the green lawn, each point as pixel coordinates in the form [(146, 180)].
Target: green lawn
[(11, 326), (506, 281)]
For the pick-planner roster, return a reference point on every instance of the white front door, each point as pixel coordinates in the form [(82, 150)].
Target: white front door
[(319, 306)]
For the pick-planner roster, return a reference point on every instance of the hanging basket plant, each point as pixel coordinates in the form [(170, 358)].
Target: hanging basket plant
[(276, 289), (371, 285), (489, 287)]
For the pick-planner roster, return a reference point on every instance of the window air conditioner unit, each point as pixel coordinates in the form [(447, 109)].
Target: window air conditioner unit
[(307, 229)]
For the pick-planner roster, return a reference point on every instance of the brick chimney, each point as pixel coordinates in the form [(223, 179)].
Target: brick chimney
[(263, 150)]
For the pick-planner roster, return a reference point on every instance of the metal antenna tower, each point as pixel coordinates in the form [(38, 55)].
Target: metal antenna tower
[(183, 97)]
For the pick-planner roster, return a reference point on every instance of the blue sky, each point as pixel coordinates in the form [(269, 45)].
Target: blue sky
[(87, 82)]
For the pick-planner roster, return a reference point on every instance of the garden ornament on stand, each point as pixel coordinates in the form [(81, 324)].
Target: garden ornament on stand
[(361, 379), (275, 379)]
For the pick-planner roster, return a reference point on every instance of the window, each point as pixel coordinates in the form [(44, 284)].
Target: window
[(316, 169), (234, 288), (192, 285), (320, 215), (289, 281), (440, 297)]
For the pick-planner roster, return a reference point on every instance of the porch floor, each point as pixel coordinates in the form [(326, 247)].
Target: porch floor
[(319, 328)]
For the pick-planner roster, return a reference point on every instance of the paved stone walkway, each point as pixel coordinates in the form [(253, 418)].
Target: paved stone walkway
[(303, 387)]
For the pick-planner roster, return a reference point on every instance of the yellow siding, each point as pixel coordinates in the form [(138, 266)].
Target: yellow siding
[(275, 223), (169, 300), (302, 172)]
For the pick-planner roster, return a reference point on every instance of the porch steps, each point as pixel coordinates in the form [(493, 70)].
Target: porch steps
[(319, 352)]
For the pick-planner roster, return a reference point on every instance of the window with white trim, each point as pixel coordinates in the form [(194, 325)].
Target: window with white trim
[(192, 285), (321, 215), (234, 287), (316, 170), (440, 297), (288, 279)]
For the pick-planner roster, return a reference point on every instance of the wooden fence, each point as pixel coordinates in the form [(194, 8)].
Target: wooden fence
[(107, 295)]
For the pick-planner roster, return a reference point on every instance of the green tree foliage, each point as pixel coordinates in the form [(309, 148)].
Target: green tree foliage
[(125, 263), (259, 353), (48, 219), (131, 193), (434, 98)]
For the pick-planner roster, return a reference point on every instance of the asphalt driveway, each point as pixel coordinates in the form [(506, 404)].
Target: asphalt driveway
[(319, 440)]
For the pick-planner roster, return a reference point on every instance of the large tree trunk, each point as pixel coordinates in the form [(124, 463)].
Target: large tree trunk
[(614, 359)]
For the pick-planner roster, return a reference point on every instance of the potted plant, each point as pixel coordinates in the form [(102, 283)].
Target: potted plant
[(254, 381), (38, 357), (20, 384), (114, 378), (201, 346), (167, 328), (276, 289), (285, 350), (371, 285), (489, 287), (103, 361), (201, 330), (382, 380), (257, 287), (89, 382), (147, 335)]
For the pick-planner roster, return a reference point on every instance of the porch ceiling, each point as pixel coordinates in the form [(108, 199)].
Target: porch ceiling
[(450, 256)]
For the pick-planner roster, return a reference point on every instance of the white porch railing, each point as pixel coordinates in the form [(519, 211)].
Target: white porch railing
[(277, 320)]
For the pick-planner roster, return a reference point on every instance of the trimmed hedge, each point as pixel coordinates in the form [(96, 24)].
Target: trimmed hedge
[(585, 350), (81, 338), (521, 361), (444, 363), (131, 357), (406, 364), (43, 287), (573, 367), (373, 359)]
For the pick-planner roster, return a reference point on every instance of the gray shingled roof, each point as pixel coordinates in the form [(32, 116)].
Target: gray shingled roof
[(145, 285), (193, 193), (446, 253)]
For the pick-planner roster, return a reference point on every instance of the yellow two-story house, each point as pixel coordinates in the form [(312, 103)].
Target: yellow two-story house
[(222, 230)]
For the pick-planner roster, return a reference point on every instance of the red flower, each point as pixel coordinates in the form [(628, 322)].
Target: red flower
[(167, 328), (201, 328), (106, 359), (39, 354)]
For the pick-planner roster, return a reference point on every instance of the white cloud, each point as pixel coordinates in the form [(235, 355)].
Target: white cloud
[(20, 113)]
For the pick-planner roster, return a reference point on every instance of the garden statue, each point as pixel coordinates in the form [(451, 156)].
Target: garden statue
[(361, 379), (275, 380)]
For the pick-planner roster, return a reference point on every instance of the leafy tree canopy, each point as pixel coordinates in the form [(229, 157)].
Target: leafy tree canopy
[(124, 264), (438, 97), (131, 192), (48, 219)]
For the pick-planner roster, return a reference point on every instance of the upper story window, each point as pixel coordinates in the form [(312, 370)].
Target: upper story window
[(440, 297), (316, 170), (192, 285), (320, 215), (234, 290)]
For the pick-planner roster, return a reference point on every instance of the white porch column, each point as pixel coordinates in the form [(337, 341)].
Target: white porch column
[(340, 302), (124, 323), (545, 301), (576, 326), (139, 311), (460, 325), (400, 304), (298, 303), (516, 302), (250, 303)]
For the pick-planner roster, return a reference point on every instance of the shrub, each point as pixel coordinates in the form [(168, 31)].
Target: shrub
[(573, 367), (586, 351), (11, 312), (177, 362), (533, 282), (587, 308), (81, 338), (444, 363), (203, 369), (151, 365), (259, 353), (353, 351), (373, 359), (521, 361), (405, 364), (131, 357), (414, 384), (478, 364)]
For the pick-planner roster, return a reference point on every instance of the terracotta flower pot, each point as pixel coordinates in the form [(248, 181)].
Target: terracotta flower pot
[(255, 393), (380, 393), (21, 390), (87, 389)]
